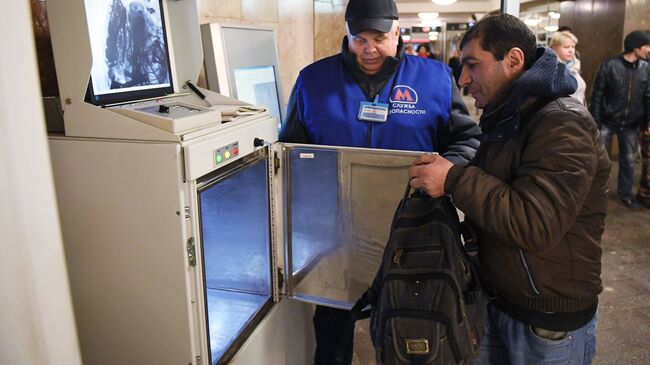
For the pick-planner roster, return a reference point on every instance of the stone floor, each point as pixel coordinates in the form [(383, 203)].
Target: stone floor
[(624, 311)]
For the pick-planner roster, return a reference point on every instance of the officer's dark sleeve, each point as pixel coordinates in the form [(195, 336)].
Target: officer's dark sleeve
[(461, 137), (597, 90), (293, 129)]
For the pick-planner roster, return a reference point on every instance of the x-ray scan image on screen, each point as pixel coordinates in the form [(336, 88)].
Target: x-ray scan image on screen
[(129, 50)]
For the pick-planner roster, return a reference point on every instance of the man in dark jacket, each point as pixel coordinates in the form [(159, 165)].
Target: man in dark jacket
[(620, 104), (536, 193), (372, 95)]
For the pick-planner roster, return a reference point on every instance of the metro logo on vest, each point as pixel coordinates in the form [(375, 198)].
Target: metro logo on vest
[(403, 100), (403, 94)]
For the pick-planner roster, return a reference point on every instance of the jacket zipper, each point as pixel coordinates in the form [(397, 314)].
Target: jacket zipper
[(531, 281), (629, 93), (371, 91)]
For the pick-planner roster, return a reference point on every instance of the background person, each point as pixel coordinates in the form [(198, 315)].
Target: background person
[(564, 28), (536, 193), (408, 49), (425, 112), (454, 64), (620, 104), (564, 45), (424, 51)]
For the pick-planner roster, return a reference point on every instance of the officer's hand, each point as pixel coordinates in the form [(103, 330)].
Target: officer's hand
[(428, 173)]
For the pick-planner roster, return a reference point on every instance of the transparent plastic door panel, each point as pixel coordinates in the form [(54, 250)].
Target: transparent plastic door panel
[(339, 205), (236, 253)]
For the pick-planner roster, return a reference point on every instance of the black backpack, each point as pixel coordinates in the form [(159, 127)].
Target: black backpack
[(426, 302)]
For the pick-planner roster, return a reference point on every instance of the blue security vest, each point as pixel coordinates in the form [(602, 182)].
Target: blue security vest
[(418, 94)]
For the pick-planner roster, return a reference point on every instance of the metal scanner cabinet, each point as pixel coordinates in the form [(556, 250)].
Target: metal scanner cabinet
[(210, 249)]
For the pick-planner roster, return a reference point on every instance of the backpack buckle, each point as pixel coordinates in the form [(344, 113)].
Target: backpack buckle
[(417, 346)]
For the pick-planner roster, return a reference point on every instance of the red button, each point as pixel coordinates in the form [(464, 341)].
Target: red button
[(235, 151)]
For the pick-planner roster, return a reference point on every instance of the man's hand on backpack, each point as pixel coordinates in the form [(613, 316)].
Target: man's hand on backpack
[(428, 173)]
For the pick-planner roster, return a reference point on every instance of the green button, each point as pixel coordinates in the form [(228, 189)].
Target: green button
[(219, 158)]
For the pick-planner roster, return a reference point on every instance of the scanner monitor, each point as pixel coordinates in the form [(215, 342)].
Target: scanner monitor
[(130, 51), (257, 85), (241, 62)]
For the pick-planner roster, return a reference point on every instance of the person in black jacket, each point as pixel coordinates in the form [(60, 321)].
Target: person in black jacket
[(620, 104), (454, 64), (424, 112)]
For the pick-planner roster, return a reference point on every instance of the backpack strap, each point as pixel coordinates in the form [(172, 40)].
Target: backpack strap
[(360, 310), (473, 294)]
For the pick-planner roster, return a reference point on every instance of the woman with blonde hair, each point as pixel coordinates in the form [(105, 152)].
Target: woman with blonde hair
[(564, 45)]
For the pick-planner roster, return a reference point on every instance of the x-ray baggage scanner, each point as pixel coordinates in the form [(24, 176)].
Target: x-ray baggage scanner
[(188, 239)]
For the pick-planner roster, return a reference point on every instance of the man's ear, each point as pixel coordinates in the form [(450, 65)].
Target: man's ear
[(514, 61), (398, 30)]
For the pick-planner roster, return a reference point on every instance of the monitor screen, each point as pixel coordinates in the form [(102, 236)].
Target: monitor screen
[(129, 51), (256, 85)]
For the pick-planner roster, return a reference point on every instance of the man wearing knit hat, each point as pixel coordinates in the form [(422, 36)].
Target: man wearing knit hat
[(620, 104), (373, 95)]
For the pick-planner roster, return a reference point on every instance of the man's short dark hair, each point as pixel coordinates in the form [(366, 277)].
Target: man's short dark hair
[(498, 34), (564, 28)]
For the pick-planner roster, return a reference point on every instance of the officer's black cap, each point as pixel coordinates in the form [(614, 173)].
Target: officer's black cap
[(362, 15)]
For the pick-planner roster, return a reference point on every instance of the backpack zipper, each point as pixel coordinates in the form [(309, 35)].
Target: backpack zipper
[(400, 250), (423, 219), (446, 277)]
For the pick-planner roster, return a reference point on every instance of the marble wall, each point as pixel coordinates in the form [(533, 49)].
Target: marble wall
[(296, 40), (329, 27), (637, 16)]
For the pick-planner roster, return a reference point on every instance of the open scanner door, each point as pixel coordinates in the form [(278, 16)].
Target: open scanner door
[(338, 206)]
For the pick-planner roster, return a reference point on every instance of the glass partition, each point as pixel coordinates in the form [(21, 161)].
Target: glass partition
[(235, 234), (340, 203)]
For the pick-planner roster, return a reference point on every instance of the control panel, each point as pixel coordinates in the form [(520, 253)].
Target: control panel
[(225, 153), (169, 115)]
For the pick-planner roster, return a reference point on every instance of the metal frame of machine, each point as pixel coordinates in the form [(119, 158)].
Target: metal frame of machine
[(128, 201)]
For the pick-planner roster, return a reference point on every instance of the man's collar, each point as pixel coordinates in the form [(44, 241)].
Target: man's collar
[(628, 63), (500, 101)]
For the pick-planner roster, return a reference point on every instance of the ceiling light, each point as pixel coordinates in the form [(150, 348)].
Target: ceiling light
[(531, 22), (433, 23), (443, 2), (428, 15), (551, 28), (554, 14)]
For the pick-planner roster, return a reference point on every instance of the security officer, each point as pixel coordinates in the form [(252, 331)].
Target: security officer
[(372, 95)]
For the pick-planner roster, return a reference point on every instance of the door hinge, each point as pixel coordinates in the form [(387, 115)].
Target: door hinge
[(191, 252), (198, 360), (280, 278), (276, 163), (187, 212)]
